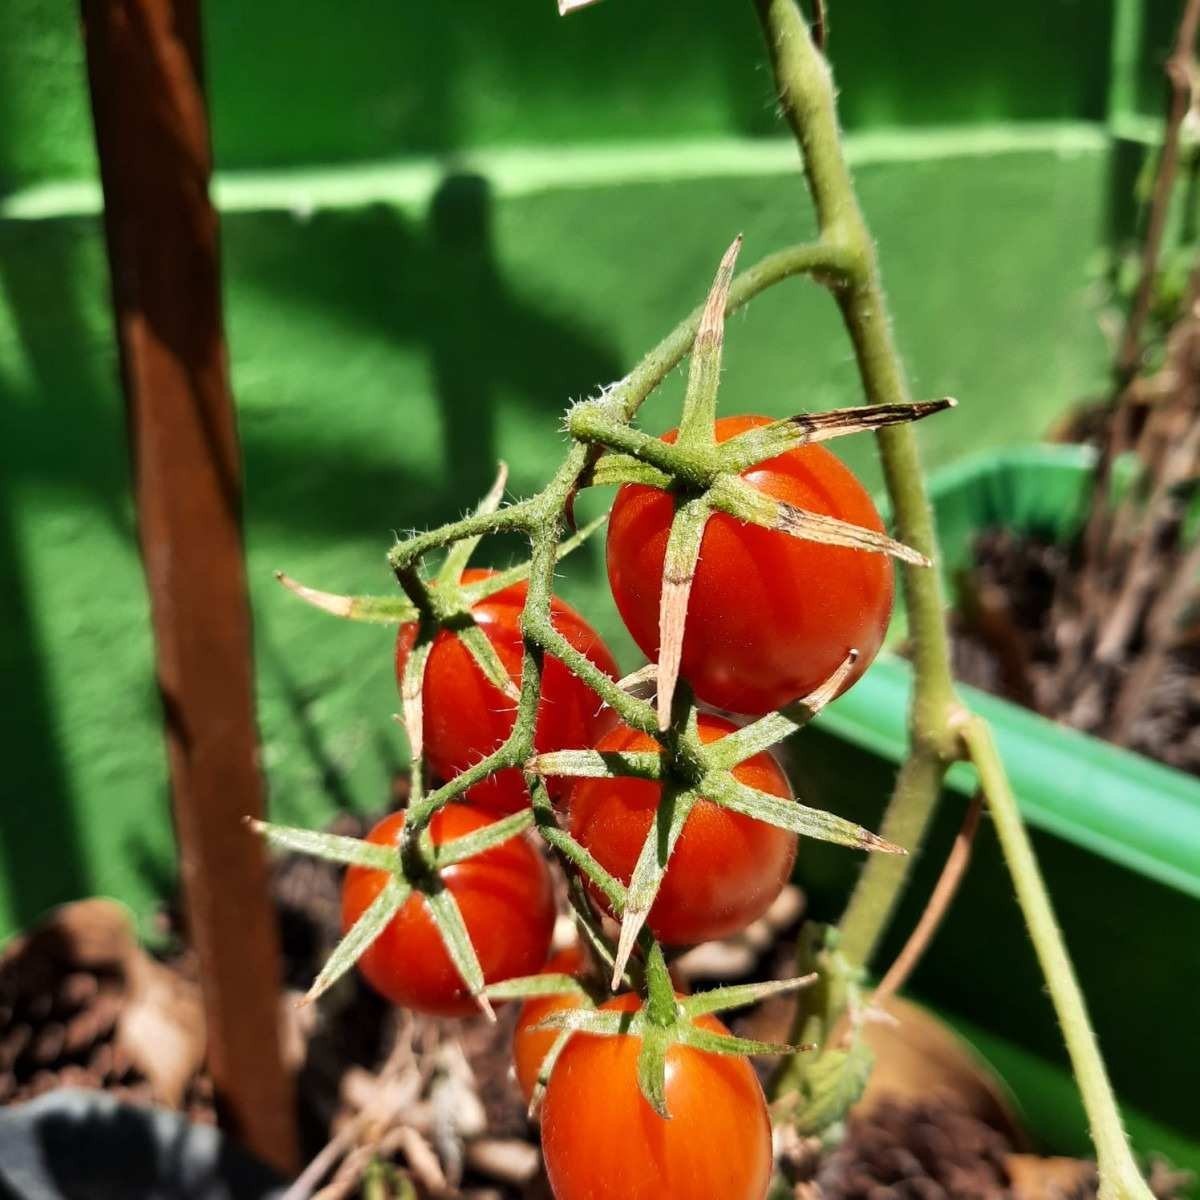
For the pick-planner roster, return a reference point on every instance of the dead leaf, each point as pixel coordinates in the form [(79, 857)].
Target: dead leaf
[(161, 1027)]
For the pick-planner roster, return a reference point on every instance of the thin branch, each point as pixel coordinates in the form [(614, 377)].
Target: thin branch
[(939, 903), (1119, 1175)]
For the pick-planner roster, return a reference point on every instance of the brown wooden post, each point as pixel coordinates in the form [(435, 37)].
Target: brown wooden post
[(145, 72)]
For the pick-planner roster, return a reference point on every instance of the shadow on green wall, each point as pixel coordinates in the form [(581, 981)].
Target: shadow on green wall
[(437, 289), (47, 422)]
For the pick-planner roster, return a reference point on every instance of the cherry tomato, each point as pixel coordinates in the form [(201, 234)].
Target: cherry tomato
[(467, 718), (601, 1139), (770, 616), (726, 868), (531, 1046), (507, 902)]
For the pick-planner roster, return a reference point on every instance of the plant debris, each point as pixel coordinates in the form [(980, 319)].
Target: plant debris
[(409, 1102), (1006, 642)]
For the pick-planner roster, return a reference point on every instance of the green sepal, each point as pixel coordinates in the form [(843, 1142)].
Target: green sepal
[(590, 1021), (412, 687), (741, 994), (470, 844), (612, 470), (446, 914), (652, 1067), (721, 788), (674, 807), (726, 1043), (600, 764), (767, 731), (697, 420), (833, 1082), (740, 499), (547, 1065), (525, 986), (679, 570), (332, 847), (479, 646), (459, 553), (611, 888), (392, 897), (481, 589), (374, 610)]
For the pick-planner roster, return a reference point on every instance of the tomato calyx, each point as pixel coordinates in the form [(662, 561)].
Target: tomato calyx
[(705, 477), (419, 871), (666, 1019), (689, 769)]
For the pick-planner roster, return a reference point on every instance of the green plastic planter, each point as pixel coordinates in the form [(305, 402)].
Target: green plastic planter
[(1118, 837)]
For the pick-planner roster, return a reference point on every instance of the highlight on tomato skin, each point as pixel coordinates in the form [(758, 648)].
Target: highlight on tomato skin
[(466, 717), (507, 900), (600, 1138), (726, 868), (770, 616), (530, 1046)]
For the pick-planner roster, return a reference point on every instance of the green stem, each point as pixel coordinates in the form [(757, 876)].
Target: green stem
[(1119, 1175), (826, 263), (936, 720), (806, 93)]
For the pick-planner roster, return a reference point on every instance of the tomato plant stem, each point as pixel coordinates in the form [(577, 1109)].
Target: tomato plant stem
[(1119, 1175), (806, 94), (938, 725)]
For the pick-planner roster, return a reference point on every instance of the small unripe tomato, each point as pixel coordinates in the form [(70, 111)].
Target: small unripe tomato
[(507, 902), (770, 616), (530, 1046), (726, 868), (601, 1139), (466, 717)]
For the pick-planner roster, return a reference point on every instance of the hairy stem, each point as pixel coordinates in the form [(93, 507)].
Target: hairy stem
[(1119, 1175), (806, 95)]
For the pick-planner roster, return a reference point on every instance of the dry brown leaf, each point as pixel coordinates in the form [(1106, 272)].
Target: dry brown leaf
[(161, 1026), (160, 1021)]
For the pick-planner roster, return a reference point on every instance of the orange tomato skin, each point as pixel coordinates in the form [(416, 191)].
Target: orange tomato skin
[(466, 717), (770, 616), (726, 868), (507, 902), (530, 1046), (601, 1140)]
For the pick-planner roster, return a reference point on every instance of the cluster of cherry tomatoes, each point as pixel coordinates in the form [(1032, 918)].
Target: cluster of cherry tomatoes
[(769, 618)]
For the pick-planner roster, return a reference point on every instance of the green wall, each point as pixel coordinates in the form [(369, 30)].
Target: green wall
[(436, 232)]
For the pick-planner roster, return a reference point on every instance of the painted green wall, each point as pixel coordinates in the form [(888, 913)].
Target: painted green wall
[(509, 210)]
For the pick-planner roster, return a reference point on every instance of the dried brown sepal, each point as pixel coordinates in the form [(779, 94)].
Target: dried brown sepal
[(704, 371), (679, 569), (739, 499), (376, 610), (755, 445)]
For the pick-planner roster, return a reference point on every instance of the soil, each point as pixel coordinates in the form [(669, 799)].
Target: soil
[(438, 1100), (1004, 643)]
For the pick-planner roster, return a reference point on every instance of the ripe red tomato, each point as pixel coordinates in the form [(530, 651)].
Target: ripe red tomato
[(531, 1046), (726, 868), (507, 902), (600, 1138), (770, 616), (467, 718)]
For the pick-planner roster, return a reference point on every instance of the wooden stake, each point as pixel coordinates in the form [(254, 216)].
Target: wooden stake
[(144, 68)]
